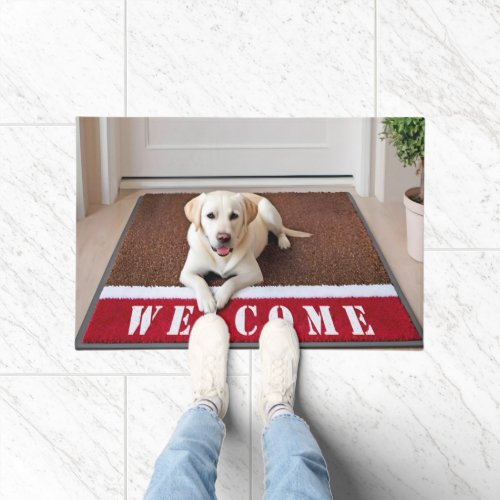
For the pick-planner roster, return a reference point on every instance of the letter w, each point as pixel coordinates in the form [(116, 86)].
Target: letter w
[(316, 320), (143, 319)]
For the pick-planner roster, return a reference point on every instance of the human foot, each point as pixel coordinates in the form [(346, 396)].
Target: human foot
[(208, 352), (279, 351)]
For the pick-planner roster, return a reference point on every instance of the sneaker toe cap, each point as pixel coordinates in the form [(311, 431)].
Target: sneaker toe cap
[(210, 325)]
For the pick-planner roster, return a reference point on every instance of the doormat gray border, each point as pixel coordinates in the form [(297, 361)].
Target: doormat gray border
[(80, 345)]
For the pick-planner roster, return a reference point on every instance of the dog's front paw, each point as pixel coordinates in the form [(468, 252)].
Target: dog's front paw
[(222, 297), (206, 302)]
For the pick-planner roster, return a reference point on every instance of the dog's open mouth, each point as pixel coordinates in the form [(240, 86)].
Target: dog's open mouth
[(222, 251)]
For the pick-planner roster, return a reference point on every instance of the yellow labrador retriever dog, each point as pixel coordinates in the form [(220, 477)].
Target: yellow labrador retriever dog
[(228, 232)]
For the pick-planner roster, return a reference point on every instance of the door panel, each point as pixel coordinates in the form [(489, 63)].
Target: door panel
[(235, 133), (235, 147)]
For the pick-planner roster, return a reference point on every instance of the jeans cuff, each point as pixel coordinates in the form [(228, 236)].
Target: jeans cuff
[(292, 416), (204, 409)]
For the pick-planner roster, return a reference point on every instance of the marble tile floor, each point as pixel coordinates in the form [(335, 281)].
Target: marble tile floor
[(412, 425)]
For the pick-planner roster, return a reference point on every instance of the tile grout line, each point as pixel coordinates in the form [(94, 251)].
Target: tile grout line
[(20, 124), (250, 436), (461, 249), (125, 58), (375, 61), (84, 374), (125, 438)]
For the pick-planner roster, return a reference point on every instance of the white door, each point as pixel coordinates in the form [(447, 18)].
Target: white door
[(232, 152), (240, 147)]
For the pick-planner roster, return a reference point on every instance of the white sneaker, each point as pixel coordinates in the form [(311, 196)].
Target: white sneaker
[(279, 352), (208, 351)]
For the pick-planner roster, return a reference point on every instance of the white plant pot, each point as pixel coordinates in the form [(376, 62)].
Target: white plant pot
[(414, 225)]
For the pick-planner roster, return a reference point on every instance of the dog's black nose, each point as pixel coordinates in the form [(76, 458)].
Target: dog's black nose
[(223, 237)]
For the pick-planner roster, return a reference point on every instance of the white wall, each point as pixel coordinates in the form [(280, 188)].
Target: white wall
[(90, 158), (81, 197), (110, 153)]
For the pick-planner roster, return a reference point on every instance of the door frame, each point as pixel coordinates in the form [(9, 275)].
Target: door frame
[(112, 180)]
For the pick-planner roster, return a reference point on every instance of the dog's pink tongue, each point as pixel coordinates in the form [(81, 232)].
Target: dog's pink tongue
[(223, 251)]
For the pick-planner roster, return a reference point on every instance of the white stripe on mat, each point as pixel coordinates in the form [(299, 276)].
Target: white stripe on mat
[(254, 292)]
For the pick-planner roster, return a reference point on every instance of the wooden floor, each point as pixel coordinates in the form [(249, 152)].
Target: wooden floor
[(98, 233)]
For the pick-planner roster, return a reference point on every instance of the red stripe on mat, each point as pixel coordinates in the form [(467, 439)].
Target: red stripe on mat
[(316, 320)]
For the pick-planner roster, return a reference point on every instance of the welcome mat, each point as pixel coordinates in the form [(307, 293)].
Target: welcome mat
[(335, 287)]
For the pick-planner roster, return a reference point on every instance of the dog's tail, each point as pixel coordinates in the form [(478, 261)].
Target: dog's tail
[(295, 234)]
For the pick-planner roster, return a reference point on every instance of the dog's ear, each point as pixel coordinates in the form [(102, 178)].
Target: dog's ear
[(192, 209), (250, 208)]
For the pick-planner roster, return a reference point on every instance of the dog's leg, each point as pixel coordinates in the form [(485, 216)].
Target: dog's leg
[(191, 277), (274, 223), (250, 275), (204, 297)]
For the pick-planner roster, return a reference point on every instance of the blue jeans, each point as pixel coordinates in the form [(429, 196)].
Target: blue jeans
[(187, 467)]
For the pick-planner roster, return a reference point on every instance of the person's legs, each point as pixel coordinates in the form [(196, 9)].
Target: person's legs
[(294, 465), (187, 467)]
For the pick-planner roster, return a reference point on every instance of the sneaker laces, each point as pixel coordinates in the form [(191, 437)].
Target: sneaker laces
[(208, 386), (276, 382)]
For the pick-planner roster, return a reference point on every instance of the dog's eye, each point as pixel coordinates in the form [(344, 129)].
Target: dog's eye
[(233, 216), (211, 215)]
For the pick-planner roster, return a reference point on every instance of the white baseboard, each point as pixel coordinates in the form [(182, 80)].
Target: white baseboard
[(235, 182)]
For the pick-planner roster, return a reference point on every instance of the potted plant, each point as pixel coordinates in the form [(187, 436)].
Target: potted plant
[(407, 137)]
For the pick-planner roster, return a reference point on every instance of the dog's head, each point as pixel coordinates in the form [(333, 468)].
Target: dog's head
[(223, 217)]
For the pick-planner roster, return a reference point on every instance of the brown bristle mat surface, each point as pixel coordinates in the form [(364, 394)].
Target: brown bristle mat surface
[(340, 251)]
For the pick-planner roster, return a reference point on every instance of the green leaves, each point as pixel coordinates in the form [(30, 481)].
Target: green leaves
[(407, 136)]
